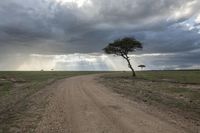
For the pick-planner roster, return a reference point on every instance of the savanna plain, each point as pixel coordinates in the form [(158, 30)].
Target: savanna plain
[(100, 102)]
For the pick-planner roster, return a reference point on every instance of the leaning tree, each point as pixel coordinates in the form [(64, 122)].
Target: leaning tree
[(122, 47)]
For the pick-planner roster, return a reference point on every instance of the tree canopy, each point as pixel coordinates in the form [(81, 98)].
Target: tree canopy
[(141, 66), (123, 46)]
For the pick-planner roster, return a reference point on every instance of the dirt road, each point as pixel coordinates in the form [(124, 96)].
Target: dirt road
[(81, 105)]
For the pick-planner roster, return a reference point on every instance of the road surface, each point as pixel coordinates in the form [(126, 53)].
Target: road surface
[(82, 105)]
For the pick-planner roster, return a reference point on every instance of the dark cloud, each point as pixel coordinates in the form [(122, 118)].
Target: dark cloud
[(51, 27)]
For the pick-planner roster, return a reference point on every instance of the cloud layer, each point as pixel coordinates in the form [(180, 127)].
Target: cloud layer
[(61, 27)]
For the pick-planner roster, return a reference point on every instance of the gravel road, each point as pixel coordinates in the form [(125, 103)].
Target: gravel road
[(82, 105)]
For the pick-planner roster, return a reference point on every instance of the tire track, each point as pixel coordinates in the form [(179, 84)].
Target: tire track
[(81, 105), (107, 112)]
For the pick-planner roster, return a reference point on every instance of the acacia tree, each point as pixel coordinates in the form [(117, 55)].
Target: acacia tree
[(122, 47), (141, 66)]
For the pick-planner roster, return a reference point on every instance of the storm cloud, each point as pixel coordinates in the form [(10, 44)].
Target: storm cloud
[(63, 27)]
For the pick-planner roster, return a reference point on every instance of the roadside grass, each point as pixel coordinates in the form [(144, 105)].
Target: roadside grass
[(181, 76), (41, 75), (33, 79), (176, 76), (5, 87), (24, 96), (181, 97)]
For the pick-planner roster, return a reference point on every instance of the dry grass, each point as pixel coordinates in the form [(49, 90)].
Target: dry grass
[(24, 96), (181, 97)]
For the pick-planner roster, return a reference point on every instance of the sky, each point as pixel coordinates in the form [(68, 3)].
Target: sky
[(70, 34)]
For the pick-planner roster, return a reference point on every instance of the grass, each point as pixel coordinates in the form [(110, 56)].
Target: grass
[(23, 97), (182, 76), (35, 79), (42, 75), (5, 87), (179, 93)]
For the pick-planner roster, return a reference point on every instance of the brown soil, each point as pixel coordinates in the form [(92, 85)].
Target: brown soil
[(22, 109), (81, 105)]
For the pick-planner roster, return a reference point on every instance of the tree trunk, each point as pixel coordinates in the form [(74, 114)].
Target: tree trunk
[(130, 66)]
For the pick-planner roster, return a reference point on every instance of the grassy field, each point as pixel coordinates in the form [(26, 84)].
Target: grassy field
[(33, 79), (24, 96), (174, 91), (184, 76)]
